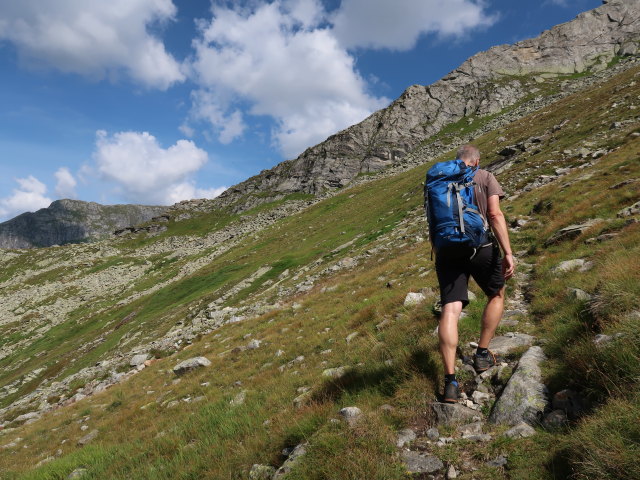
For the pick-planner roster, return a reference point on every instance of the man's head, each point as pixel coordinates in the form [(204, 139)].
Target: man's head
[(469, 154)]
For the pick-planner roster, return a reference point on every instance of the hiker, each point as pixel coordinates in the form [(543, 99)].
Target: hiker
[(471, 248)]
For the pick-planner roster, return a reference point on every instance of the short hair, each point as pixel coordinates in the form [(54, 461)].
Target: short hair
[(468, 152)]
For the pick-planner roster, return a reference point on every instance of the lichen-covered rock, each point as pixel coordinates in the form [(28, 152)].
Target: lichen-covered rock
[(294, 457), (507, 343), (261, 472), (417, 462), (524, 399)]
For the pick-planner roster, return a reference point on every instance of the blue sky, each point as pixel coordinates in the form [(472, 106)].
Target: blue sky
[(155, 101)]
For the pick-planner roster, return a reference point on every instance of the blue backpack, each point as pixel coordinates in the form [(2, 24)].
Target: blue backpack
[(453, 217)]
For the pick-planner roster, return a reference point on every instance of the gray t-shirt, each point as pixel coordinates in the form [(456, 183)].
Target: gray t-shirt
[(486, 186)]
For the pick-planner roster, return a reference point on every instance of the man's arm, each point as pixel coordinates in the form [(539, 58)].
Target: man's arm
[(499, 227)]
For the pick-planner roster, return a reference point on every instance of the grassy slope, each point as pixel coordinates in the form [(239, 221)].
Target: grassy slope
[(214, 439)]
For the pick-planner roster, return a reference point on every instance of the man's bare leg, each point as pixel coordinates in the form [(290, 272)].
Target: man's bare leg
[(491, 318), (448, 335)]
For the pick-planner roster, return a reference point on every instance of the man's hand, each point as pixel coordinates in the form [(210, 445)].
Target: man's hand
[(508, 266)]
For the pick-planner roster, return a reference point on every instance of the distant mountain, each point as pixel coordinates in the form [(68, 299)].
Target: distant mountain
[(72, 221), (489, 83)]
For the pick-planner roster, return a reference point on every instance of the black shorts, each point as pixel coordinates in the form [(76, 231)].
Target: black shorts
[(454, 268)]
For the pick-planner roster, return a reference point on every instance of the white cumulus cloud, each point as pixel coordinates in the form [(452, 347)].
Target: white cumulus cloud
[(65, 183), (144, 172), (28, 197), (283, 61), (94, 38), (397, 25)]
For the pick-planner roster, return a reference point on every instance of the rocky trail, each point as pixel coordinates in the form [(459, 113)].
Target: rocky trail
[(505, 401)]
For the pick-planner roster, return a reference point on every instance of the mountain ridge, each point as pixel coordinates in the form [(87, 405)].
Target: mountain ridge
[(481, 86), (72, 221)]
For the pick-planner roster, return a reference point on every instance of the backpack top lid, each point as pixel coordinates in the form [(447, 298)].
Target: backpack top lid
[(451, 170)]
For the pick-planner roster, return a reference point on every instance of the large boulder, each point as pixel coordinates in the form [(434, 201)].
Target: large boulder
[(524, 399), (507, 343)]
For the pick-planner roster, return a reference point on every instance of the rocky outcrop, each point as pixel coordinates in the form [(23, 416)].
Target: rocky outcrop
[(487, 83), (524, 398), (72, 221)]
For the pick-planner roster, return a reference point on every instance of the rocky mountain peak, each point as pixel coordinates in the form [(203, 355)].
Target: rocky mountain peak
[(72, 221), (488, 83)]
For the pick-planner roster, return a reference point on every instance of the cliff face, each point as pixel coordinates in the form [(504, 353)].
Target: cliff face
[(485, 84), (71, 221)]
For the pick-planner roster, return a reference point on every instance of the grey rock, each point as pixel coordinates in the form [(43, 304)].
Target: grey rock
[(191, 364), (521, 430), (524, 398), (578, 294), (628, 49), (601, 238), (239, 399), (77, 473), (350, 414), (504, 344), (451, 473), (253, 344), (302, 399), (453, 413), (405, 437), (474, 428), (414, 298), (261, 472), (569, 265), (335, 373), (629, 211), (25, 417), (351, 336), (499, 461), (294, 457), (602, 339), (89, 437), (138, 359), (570, 232), (417, 462), (555, 419), (433, 434), (480, 398)]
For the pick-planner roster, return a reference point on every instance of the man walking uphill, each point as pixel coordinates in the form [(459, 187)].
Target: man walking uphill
[(467, 231)]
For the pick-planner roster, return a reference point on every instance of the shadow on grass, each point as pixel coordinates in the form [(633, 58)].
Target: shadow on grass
[(559, 465), (385, 379)]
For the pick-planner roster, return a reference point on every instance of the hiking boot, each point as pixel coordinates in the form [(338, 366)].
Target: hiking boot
[(451, 392), (482, 363)]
